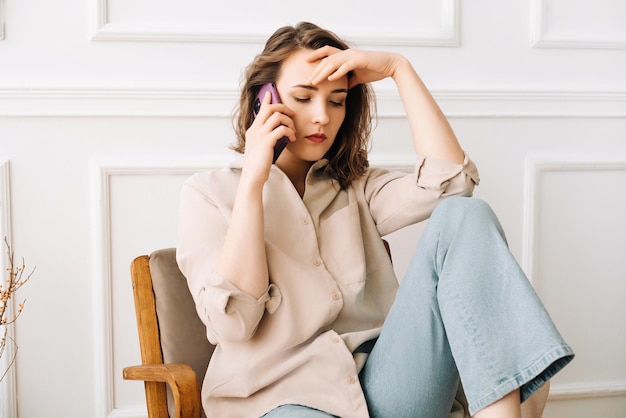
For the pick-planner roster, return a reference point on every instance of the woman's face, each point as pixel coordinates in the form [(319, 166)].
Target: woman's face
[(319, 110)]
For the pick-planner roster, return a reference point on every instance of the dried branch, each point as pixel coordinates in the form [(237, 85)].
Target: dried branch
[(14, 282)]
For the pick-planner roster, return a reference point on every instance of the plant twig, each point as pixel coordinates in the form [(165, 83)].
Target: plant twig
[(4, 339), (14, 282)]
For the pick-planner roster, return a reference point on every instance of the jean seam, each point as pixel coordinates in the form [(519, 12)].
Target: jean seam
[(466, 319)]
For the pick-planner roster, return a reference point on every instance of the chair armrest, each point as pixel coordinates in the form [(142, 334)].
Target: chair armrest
[(181, 379)]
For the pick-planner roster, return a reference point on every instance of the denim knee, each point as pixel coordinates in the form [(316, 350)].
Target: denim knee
[(463, 205), (457, 211)]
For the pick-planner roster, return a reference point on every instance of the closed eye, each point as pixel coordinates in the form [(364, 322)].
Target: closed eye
[(335, 103)]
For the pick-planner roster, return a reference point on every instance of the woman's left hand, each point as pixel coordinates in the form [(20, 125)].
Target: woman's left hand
[(366, 66)]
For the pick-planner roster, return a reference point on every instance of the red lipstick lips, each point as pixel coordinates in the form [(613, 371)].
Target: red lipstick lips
[(318, 138)]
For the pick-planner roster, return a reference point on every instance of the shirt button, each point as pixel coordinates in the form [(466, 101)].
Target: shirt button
[(336, 340), (336, 296), (305, 221), (351, 380), (317, 263)]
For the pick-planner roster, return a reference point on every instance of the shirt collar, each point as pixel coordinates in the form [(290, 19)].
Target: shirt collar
[(237, 163)]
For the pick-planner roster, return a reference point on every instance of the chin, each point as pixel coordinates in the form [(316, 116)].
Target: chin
[(310, 155), (313, 157)]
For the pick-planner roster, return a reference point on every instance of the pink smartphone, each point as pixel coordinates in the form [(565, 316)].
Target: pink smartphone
[(256, 106)]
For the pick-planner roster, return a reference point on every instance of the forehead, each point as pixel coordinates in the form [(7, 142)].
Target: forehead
[(295, 70)]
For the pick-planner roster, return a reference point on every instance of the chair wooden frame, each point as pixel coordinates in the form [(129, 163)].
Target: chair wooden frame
[(181, 378)]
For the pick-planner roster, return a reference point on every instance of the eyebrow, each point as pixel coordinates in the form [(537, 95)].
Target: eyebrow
[(309, 87)]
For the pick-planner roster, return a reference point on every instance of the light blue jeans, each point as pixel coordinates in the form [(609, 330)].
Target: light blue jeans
[(464, 309)]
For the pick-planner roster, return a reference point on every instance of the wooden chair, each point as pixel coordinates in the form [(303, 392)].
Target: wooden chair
[(172, 339), (175, 350)]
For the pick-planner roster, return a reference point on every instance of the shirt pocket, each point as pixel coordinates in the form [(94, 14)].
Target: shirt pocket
[(343, 245)]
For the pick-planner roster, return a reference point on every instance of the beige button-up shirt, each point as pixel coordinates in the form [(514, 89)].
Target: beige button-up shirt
[(331, 282)]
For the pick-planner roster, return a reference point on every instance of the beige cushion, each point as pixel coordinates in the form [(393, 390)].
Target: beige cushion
[(183, 335)]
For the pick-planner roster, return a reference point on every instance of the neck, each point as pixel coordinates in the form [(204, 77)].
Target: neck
[(296, 171)]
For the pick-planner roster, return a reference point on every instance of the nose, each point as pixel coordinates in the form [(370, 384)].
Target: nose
[(320, 113)]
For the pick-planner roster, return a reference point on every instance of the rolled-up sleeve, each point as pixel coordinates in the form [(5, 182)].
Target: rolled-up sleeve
[(443, 178), (231, 314), (228, 312), (399, 199)]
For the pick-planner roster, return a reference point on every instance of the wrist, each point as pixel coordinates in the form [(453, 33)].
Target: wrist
[(401, 66), (250, 185)]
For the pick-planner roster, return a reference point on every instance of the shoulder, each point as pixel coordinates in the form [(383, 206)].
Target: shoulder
[(214, 182)]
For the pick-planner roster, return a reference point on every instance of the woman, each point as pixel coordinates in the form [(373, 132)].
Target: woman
[(289, 273)]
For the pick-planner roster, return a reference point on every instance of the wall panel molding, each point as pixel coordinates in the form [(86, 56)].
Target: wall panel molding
[(8, 387), (541, 37), (2, 24), (536, 168), (199, 103), (587, 390), (102, 173), (2, 28), (116, 103), (105, 30)]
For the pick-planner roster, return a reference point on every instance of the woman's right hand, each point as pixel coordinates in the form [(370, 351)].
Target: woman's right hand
[(272, 123)]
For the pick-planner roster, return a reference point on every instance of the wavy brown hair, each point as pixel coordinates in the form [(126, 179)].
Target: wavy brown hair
[(348, 154)]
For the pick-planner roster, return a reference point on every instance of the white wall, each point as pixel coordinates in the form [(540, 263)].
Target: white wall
[(106, 106)]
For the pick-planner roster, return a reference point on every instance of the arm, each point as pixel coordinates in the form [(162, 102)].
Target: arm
[(242, 258), (431, 133), (442, 169), (228, 313), (221, 246)]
